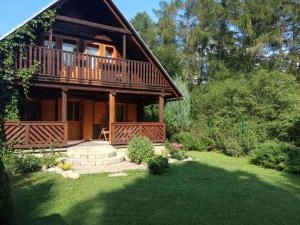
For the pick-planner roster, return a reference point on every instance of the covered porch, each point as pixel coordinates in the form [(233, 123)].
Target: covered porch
[(54, 117)]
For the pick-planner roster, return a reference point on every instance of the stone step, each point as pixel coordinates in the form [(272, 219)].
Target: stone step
[(96, 162), (91, 153)]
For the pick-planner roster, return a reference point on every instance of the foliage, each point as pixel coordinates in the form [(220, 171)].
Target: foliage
[(158, 165), (177, 114), (176, 151), (65, 166), (236, 114), (189, 141), (6, 207), (277, 155), (15, 42), (17, 163), (269, 155), (140, 149), (28, 163), (50, 160)]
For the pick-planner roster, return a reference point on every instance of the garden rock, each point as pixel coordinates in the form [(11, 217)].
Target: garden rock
[(70, 175), (189, 159)]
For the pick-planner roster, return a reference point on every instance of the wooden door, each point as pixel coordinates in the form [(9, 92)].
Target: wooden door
[(70, 67), (87, 119)]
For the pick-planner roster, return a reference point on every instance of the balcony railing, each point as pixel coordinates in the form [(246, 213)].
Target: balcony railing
[(72, 67)]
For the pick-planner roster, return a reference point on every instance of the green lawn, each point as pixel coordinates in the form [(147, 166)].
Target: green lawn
[(213, 190)]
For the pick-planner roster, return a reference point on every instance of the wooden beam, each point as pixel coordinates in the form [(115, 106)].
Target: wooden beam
[(161, 108), (124, 46), (112, 114), (64, 105), (92, 24)]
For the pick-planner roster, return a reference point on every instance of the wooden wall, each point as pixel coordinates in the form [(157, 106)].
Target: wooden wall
[(94, 116)]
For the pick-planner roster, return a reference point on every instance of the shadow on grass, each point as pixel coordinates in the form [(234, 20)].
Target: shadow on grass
[(33, 193), (190, 193)]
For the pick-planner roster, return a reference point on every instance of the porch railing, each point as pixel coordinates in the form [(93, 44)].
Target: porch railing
[(36, 134), (122, 133), (73, 67)]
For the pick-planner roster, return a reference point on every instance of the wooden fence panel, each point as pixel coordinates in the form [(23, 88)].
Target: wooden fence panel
[(36, 134), (122, 133)]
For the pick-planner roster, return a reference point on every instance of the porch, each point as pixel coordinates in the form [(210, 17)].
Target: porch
[(54, 118)]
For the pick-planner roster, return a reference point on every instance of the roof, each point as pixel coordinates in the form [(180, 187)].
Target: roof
[(55, 2)]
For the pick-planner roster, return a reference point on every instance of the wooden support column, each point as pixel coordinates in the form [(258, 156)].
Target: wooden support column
[(64, 105), (112, 114), (50, 39), (124, 46), (161, 108)]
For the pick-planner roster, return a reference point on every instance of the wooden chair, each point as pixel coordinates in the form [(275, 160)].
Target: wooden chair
[(104, 132)]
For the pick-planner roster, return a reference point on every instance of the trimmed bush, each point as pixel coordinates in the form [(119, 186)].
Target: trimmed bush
[(5, 197), (158, 165), (269, 155), (140, 149)]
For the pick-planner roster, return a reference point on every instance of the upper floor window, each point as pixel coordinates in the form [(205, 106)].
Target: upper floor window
[(69, 46), (46, 43), (109, 52)]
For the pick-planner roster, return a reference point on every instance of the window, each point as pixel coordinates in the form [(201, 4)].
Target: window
[(46, 42), (120, 113), (109, 51), (69, 46), (73, 111), (93, 50)]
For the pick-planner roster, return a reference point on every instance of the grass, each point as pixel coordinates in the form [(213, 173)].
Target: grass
[(213, 190)]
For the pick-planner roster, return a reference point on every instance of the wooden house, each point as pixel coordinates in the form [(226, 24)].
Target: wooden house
[(96, 74)]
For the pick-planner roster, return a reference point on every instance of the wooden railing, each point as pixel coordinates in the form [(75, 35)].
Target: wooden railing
[(36, 134), (72, 67), (122, 133)]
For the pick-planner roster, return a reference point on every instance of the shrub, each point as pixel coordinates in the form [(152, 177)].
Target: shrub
[(140, 149), (65, 166), (17, 163), (5, 197), (176, 151), (270, 155), (232, 148), (158, 165), (189, 142), (28, 163), (293, 159), (50, 160)]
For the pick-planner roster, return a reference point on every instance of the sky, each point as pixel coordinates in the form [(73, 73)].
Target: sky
[(14, 12)]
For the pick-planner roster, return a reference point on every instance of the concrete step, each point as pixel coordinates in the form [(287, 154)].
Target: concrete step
[(96, 162)]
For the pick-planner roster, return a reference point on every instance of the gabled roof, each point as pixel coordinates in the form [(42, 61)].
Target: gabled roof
[(53, 4)]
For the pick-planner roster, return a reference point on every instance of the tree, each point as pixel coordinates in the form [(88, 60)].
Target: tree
[(146, 28)]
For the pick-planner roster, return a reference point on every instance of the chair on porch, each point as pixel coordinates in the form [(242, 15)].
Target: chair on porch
[(104, 132)]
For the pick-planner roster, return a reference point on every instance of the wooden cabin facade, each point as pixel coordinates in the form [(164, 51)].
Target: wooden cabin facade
[(96, 74)]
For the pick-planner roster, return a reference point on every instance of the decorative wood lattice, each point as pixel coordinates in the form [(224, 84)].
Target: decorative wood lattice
[(122, 133), (36, 134)]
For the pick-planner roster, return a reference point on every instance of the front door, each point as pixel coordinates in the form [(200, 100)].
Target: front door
[(87, 119)]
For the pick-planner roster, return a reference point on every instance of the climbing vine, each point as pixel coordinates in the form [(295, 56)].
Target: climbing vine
[(9, 47)]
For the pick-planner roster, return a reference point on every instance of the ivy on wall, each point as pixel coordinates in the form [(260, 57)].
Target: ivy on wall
[(9, 47)]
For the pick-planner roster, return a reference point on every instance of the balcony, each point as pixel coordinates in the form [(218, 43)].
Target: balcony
[(78, 68)]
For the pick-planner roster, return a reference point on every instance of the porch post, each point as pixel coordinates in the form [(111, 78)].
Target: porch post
[(112, 114), (161, 108), (64, 103), (124, 46)]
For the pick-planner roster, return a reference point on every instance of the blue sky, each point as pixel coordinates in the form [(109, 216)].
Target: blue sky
[(14, 12)]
